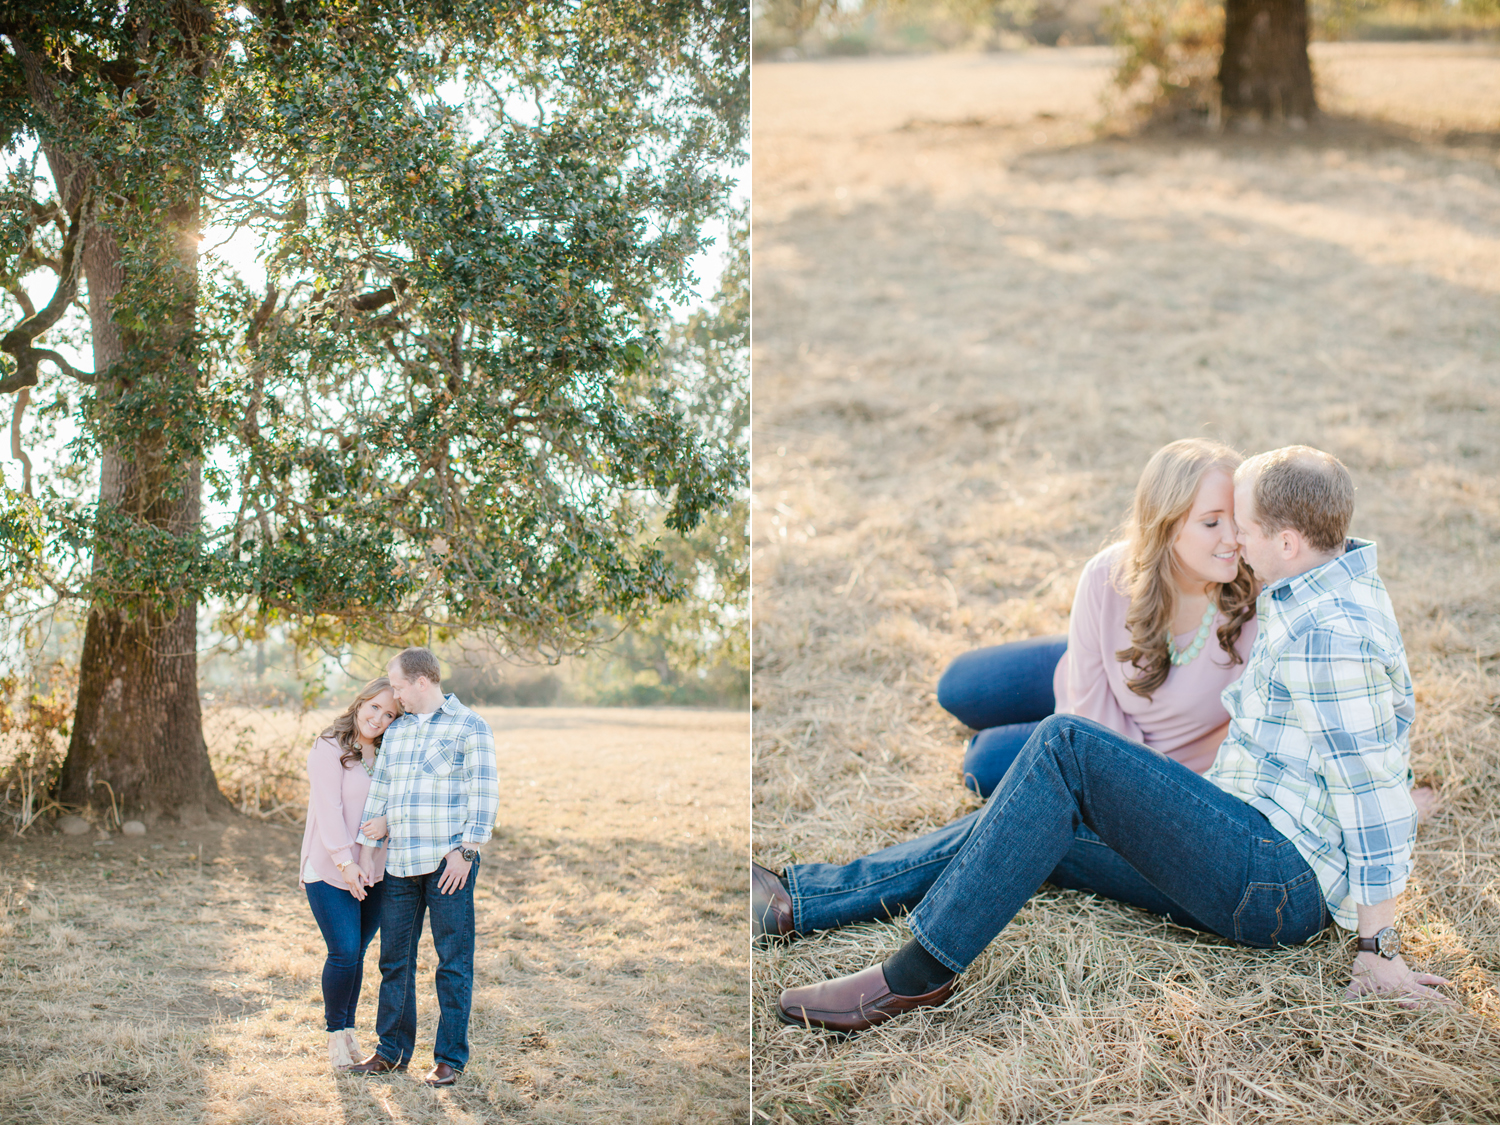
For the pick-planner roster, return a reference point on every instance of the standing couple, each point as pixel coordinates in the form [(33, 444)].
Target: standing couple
[(403, 794), (1254, 785)]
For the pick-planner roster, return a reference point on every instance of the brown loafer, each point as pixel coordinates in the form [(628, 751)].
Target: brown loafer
[(375, 1064), (770, 906), (441, 1075), (853, 1003)]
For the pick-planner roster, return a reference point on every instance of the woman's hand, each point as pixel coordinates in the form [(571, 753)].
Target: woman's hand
[(1373, 975), (373, 829), (356, 880)]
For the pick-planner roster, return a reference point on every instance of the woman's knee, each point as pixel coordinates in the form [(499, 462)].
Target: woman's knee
[(989, 755), (960, 687), (344, 956)]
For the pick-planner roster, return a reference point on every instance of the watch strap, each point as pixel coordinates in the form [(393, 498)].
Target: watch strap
[(1386, 943)]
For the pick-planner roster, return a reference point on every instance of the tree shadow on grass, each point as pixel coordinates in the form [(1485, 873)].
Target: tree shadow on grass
[(609, 981)]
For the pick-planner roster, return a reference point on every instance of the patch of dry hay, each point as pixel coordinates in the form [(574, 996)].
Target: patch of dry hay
[(175, 978), (973, 324)]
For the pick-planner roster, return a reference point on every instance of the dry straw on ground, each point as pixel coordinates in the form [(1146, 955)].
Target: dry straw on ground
[(975, 318), (175, 978)]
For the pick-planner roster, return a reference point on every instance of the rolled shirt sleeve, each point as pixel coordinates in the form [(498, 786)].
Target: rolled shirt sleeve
[(1341, 691), (375, 800), (481, 787)]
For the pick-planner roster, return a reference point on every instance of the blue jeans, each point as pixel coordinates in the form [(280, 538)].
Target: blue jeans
[(1002, 692), (348, 927), (407, 898), (1085, 809)]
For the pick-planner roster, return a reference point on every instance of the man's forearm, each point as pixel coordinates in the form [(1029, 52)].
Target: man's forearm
[(1373, 919)]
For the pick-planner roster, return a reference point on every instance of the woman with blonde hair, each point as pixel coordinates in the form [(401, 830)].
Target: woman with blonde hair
[(342, 878), (1162, 623)]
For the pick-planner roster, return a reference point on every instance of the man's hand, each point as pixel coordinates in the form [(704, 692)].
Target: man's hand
[(455, 872), (1373, 975), (373, 829)]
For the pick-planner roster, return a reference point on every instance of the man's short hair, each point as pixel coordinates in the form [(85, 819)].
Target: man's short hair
[(419, 662), (1304, 489)]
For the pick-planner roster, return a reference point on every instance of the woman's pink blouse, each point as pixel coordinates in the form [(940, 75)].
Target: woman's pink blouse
[(335, 802), (1089, 681)]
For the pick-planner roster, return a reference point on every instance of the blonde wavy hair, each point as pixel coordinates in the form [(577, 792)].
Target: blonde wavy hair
[(342, 730), (1149, 572)]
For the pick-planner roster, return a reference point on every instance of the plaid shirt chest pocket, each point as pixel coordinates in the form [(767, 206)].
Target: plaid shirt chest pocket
[(444, 758)]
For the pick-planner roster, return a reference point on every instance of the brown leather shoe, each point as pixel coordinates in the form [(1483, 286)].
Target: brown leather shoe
[(441, 1075), (853, 1003), (770, 906), (375, 1064)]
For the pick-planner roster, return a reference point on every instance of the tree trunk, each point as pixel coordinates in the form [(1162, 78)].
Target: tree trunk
[(138, 725), (138, 728), (1264, 70)]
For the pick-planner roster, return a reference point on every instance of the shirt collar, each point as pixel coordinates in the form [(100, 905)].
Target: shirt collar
[(450, 707), (1357, 561)]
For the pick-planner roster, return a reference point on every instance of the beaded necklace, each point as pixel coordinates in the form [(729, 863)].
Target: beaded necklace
[(1189, 654)]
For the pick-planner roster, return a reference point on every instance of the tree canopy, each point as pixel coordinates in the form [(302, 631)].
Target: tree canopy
[(436, 400), (436, 408)]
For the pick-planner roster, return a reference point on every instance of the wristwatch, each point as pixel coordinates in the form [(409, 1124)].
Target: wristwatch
[(469, 854), (1387, 943)]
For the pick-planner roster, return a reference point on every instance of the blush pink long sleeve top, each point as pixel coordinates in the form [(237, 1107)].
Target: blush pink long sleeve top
[(1090, 682), (335, 800)]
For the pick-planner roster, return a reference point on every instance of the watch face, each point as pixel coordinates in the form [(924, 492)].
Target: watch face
[(1388, 943)]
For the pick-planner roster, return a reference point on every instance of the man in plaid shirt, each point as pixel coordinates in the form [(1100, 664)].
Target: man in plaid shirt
[(1306, 816), (435, 791)]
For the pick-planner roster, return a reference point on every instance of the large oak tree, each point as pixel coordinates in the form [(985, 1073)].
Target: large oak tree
[(441, 406)]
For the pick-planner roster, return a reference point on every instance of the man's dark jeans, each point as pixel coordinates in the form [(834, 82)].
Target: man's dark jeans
[(406, 900), (1082, 808)]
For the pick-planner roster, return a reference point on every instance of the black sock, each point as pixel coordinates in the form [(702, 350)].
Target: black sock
[(912, 971)]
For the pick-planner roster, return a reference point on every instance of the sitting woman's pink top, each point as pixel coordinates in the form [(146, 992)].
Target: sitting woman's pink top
[(1090, 682), (335, 802)]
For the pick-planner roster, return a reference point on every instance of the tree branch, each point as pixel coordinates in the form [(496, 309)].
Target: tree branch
[(17, 342), (16, 449)]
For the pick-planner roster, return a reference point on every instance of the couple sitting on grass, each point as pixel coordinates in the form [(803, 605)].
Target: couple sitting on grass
[(1259, 820), (427, 785)]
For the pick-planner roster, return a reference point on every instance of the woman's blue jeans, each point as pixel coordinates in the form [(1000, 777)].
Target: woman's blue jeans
[(1081, 808), (348, 927), (1002, 692)]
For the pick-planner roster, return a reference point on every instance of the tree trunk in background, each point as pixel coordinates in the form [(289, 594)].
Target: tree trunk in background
[(138, 725), (138, 728), (1264, 70)]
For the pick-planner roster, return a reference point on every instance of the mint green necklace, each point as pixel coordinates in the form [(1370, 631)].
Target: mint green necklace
[(1189, 654)]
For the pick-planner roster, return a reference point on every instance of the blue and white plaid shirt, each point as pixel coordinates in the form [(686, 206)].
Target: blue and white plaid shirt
[(436, 784), (1318, 729)]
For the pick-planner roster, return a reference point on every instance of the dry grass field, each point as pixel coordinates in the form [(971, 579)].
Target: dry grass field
[(976, 315), (175, 977)]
